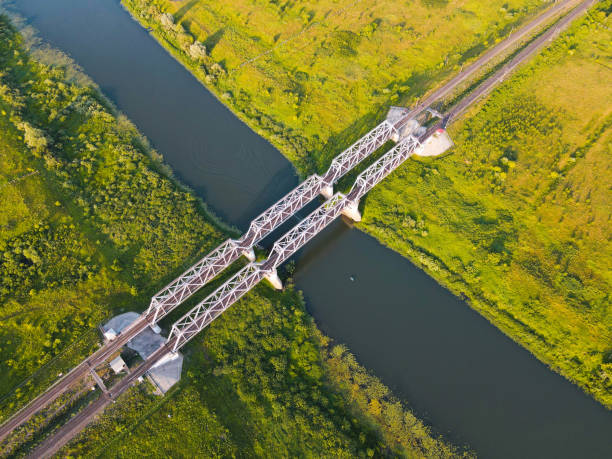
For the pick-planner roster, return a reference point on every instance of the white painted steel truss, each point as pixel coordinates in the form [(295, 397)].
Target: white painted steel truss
[(229, 251), (221, 299), (374, 174), (308, 228), (215, 304), (357, 152), (193, 279)]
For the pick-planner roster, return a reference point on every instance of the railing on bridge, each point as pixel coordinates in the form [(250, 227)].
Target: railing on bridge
[(221, 299), (229, 251)]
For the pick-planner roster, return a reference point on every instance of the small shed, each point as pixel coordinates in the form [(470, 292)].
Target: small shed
[(110, 334), (117, 364)]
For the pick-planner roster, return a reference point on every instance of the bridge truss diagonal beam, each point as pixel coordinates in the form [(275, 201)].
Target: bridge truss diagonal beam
[(229, 251), (221, 299)]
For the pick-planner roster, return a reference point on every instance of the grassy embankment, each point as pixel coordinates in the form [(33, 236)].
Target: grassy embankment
[(89, 225), (517, 219)]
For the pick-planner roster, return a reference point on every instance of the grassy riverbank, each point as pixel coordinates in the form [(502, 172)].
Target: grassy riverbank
[(90, 225), (517, 220), (310, 78)]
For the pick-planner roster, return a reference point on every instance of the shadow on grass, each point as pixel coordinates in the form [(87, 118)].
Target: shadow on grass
[(214, 38), (220, 396)]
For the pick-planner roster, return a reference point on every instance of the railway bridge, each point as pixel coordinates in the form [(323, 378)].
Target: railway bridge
[(338, 204), (272, 218), (410, 139)]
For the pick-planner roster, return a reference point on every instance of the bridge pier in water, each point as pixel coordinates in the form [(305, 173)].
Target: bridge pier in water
[(328, 191)]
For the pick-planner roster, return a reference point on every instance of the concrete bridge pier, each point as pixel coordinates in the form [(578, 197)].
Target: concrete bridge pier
[(249, 253), (273, 278), (352, 211), (327, 191)]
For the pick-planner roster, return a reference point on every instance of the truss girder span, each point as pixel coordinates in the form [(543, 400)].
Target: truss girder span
[(215, 304), (274, 216), (297, 237), (374, 174), (193, 279), (308, 228), (357, 152), (221, 299), (220, 258)]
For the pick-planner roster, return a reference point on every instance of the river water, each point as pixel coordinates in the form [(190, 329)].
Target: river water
[(458, 372)]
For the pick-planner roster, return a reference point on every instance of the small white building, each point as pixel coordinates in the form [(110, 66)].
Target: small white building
[(110, 334), (117, 364)]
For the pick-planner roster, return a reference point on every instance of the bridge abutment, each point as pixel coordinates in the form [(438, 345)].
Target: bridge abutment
[(327, 191), (352, 211), (273, 278)]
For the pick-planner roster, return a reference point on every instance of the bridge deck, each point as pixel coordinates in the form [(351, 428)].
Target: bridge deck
[(229, 251), (227, 294)]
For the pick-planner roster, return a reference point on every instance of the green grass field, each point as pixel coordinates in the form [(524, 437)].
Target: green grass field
[(90, 226), (517, 219), (311, 77)]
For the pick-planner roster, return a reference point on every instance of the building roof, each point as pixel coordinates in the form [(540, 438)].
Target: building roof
[(120, 322), (117, 364)]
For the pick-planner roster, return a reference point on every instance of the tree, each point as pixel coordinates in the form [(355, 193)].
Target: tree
[(197, 51), (33, 137)]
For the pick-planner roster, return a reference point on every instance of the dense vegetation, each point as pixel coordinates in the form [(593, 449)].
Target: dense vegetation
[(517, 219), (89, 226), (258, 387)]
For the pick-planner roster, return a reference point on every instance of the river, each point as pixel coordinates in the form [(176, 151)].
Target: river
[(459, 373)]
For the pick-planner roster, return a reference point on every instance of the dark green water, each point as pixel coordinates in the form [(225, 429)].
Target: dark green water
[(457, 371)]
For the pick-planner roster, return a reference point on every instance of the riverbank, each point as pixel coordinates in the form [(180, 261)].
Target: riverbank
[(93, 230), (481, 260)]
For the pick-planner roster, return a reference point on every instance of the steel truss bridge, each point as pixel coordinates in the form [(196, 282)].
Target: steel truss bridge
[(229, 251), (394, 128), (227, 294)]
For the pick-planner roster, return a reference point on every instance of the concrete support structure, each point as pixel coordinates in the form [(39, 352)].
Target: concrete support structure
[(352, 211), (327, 191), (273, 278), (249, 254)]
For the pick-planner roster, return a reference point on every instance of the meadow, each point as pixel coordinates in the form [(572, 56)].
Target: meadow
[(312, 77), (91, 223), (516, 220)]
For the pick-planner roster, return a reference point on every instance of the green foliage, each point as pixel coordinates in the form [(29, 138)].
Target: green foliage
[(258, 383), (86, 220), (517, 219), (304, 74), (374, 401)]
